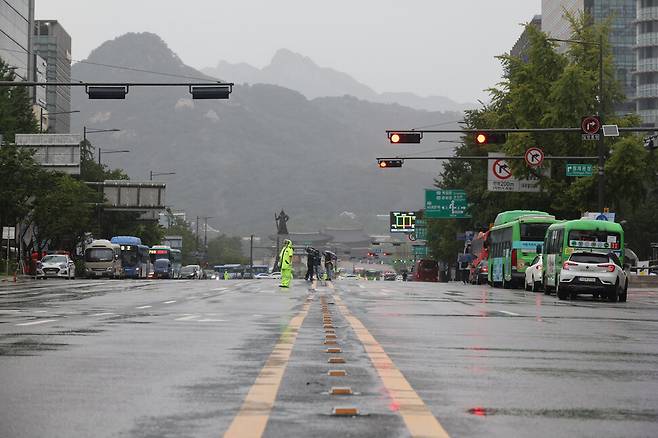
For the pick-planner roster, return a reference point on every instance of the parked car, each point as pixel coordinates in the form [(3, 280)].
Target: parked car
[(56, 266), (276, 275), (593, 273), (533, 274), (262, 276), (479, 273), (191, 272), (389, 276)]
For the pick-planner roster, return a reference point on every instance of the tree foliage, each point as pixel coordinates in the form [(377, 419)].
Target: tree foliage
[(553, 90), (16, 115)]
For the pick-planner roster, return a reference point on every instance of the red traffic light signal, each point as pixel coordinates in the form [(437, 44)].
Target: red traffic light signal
[(484, 137), (405, 137), (389, 163)]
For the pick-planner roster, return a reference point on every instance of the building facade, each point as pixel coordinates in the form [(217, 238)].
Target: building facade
[(647, 61), (520, 49), (16, 20), (53, 44), (622, 14)]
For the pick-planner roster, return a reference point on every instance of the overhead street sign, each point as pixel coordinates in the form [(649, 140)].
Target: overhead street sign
[(419, 250), (590, 127), (445, 204), (421, 229), (534, 157), (579, 170), (501, 179)]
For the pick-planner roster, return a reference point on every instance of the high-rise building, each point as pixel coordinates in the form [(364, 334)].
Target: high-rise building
[(16, 20), (647, 61), (622, 14), (53, 44), (520, 49)]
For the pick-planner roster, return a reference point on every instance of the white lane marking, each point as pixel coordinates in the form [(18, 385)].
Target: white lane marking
[(362, 286), (210, 320), (170, 302), (10, 310), (143, 307), (41, 311), (219, 289), (43, 321), (187, 318), (103, 314), (508, 313)]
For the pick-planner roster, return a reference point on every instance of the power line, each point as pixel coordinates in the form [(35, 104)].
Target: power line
[(119, 67)]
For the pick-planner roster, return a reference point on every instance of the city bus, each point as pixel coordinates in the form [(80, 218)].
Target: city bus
[(513, 243), (135, 259), (102, 259), (166, 252), (582, 234)]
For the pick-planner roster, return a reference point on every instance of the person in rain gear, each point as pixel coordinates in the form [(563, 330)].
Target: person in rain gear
[(285, 258), (226, 275)]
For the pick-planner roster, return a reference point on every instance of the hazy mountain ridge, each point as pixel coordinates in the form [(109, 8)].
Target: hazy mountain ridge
[(300, 73), (264, 149)]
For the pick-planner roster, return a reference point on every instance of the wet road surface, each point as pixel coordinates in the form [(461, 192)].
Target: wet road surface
[(203, 358)]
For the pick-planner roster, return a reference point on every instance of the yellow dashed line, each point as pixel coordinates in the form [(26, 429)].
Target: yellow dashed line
[(416, 415), (252, 418)]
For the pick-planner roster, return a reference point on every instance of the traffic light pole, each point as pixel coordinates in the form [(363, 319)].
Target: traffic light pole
[(601, 142), (484, 157)]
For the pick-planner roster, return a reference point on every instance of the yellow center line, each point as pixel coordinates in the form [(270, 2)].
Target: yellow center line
[(417, 417), (252, 418)]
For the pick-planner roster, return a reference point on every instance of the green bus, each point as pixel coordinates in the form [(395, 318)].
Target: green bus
[(513, 243), (582, 234)]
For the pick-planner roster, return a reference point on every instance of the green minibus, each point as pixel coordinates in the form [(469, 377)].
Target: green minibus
[(564, 238), (513, 243)]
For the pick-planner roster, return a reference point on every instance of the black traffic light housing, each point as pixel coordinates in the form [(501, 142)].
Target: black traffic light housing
[(484, 137), (384, 164), (404, 137)]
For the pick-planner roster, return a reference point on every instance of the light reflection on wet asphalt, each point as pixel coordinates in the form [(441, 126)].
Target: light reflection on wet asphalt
[(180, 357)]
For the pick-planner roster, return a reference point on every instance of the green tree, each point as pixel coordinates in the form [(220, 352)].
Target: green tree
[(551, 90), (20, 176), (179, 227), (224, 250), (62, 211)]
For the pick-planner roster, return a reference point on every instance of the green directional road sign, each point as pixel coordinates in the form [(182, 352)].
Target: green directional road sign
[(419, 250), (445, 204), (421, 229), (579, 170)]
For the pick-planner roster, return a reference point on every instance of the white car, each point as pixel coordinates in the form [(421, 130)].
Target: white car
[(262, 275), (593, 273), (56, 265), (533, 275), (275, 275)]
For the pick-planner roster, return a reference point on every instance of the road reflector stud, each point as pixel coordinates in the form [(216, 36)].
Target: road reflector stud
[(328, 326), (345, 412), (336, 360), (337, 373), (334, 350), (341, 390), (330, 336), (332, 331), (330, 342)]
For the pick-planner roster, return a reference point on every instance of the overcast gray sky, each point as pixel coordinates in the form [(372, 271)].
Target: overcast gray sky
[(424, 46)]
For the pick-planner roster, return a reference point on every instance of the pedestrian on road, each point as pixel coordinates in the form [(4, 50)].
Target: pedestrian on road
[(226, 276), (310, 262), (285, 256)]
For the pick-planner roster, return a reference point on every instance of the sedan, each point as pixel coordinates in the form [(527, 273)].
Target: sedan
[(595, 273), (56, 265), (262, 275), (533, 274)]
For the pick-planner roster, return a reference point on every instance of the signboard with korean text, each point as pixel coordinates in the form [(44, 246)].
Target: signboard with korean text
[(445, 204), (579, 169), (501, 179)]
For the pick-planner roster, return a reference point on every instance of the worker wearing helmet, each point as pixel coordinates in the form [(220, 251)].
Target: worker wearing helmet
[(285, 256)]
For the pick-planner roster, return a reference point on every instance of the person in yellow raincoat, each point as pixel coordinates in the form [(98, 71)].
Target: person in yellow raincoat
[(285, 257)]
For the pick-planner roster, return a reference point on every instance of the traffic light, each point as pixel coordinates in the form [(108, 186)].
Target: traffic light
[(650, 143), (484, 137), (405, 137), (389, 163)]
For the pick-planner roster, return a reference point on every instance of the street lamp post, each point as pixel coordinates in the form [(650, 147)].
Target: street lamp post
[(152, 174), (86, 131), (110, 151), (601, 140)]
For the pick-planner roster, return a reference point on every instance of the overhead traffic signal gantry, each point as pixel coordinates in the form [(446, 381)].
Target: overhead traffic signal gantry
[(405, 137), (389, 163), (484, 137)]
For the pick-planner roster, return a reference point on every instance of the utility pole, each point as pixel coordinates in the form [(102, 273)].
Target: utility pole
[(197, 235), (251, 254), (601, 142), (205, 232)]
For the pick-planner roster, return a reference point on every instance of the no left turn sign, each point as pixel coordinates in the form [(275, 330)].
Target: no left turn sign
[(534, 157)]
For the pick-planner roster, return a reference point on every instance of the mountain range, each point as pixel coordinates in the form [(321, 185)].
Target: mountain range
[(266, 148), (300, 73)]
